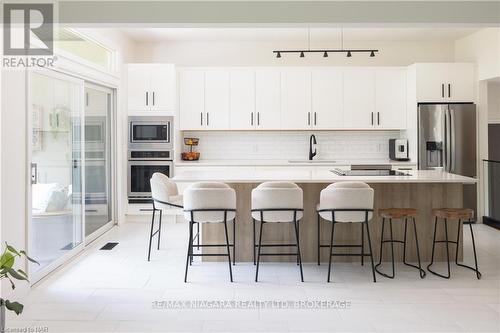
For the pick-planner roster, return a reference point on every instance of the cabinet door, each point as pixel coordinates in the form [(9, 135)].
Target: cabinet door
[(267, 99), (460, 83), (359, 98), (390, 98), (296, 99), (431, 82), (327, 95), (162, 88), (192, 99), (242, 99), (139, 97), (217, 99)]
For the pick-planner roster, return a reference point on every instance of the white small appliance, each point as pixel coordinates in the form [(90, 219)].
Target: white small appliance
[(398, 149)]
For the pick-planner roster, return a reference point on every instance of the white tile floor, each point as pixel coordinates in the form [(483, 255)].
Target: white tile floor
[(114, 291)]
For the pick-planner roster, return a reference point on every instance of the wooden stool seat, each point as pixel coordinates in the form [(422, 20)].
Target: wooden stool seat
[(398, 213), (453, 213)]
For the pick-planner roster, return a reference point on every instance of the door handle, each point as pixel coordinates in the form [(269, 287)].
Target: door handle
[(449, 90), (34, 173), (87, 99), (315, 118), (251, 118), (258, 118), (309, 119), (442, 90), (153, 98), (147, 96)]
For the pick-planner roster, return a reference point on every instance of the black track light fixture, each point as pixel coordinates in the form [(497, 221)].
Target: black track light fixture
[(302, 54), (278, 54), (372, 54), (349, 54), (325, 55)]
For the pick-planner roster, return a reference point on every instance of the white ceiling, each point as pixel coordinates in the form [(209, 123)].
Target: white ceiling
[(295, 34)]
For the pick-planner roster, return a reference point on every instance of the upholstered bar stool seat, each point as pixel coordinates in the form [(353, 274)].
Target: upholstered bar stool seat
[(277, 202), (464, 216), (346, 202), (165, 196), (404, 214), (210, 202)]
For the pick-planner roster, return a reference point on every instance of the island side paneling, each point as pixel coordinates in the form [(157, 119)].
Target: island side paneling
[(422, 196)]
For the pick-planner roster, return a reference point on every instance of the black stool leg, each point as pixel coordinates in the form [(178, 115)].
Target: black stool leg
[(297, 233), (298, 248), (446, 241), (476, 269), (421, 271), (234, 241), (258, 252), (319, 240), (370, 247), (198, 236), (253, 245), (159, 229), (188, 255), (151, 234), (227, 247), (362, 245), (382, 241), (330, 253)]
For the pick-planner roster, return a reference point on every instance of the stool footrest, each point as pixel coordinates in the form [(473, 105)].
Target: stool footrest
[(341, 245), (279, 254), (274, 245)]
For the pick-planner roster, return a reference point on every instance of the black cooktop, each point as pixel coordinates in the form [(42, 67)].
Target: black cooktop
[(383, 172)]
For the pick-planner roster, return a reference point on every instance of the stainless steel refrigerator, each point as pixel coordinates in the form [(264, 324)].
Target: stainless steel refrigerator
[(447, 141)]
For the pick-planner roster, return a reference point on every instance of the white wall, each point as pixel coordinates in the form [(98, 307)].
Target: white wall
[(214, 53), (482, 48)]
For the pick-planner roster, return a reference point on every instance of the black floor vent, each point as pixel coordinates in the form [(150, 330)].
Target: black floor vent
[(108, 246)]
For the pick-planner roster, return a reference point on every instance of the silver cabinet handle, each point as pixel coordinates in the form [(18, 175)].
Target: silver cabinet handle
[(372, 118), (208, 119), (251, 118), (309, 119), (449, 90), (87, 99), (57, 119), (201, 118), (147, 96), (153, 98), (442, 90), (315, 118), (378, 118), (258, 118)]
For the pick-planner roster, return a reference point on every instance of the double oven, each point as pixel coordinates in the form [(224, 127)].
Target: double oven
[(150, 150)]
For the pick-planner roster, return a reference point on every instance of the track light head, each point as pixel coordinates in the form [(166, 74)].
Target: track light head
[(325, 54), (278, 54), (302, 54), (372, 54), (349, 54)]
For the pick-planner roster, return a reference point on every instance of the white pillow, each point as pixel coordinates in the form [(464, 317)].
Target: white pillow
[(58, 199), (49, 197)]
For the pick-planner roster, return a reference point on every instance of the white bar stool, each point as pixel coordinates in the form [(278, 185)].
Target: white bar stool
[(347, 202), (210, 202), (165, 196), (277, 202)]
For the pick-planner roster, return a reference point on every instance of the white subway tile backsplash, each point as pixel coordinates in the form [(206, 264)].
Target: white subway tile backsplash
[(272, 145)]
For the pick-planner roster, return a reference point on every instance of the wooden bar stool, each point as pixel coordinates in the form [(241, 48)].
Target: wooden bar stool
[(464, 216), (400, 214)]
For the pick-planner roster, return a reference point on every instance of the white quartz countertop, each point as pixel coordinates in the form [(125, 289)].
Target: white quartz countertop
[(313, 175), (317, 162)]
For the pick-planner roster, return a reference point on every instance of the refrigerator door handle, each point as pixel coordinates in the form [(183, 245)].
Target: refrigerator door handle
[(452, 140)]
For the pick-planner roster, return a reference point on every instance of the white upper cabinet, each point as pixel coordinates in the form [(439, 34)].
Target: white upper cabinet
[(390, 98), (217, 99), (267, 99), (327, 98), (192, 99), (359, 98), (296, 99), (151, 87), (445, 82), (242, 99)]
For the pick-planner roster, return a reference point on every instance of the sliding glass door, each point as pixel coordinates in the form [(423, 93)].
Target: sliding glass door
[(98, 160), (56, 226)]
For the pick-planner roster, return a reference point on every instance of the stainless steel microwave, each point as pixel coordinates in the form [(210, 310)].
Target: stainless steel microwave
[(150, 132)]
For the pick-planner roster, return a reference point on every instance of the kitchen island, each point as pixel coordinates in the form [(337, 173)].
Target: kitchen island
[(420, 189)]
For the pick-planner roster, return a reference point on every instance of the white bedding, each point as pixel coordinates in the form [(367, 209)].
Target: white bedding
[(52, 197)]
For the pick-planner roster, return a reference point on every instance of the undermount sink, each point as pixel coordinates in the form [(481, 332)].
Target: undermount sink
[(313, 161)]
